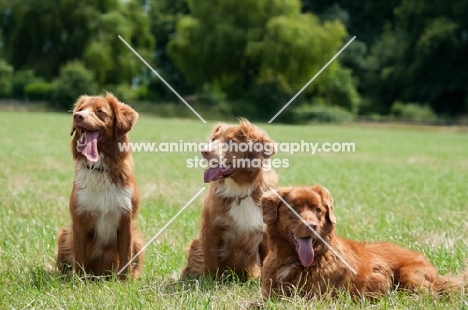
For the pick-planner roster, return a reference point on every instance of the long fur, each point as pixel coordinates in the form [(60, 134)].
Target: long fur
[(232, 235), (105, 199), (380, 267)]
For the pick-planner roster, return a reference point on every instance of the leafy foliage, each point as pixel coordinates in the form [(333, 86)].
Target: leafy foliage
[(21, 79), (251, 57), (43, 36), (39, 91), (6, 72), (74, 80), (413, 112), (164, 15), (260, 52), (318, 112)]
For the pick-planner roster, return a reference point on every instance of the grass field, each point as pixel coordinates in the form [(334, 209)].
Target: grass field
[(406, 185)]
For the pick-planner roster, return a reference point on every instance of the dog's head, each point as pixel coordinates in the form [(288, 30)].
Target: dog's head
[(99, 120), (315, 207), (233, 148)]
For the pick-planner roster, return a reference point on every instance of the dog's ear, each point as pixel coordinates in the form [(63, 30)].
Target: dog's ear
[(261, 145), (124, 116), (215, 129), (269, 203), (327, 200)]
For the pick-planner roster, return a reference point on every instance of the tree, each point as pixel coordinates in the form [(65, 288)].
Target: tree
[(44, 35), (6, 73), (235, 45), (74, 80), (434, 63), (163, 16)]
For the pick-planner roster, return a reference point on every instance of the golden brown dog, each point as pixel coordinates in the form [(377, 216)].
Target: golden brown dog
[(232, 234), (105, 198), (300, 263)]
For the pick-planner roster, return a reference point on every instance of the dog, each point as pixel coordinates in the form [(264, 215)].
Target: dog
[(299, 263), (105, 199), (231, 240)]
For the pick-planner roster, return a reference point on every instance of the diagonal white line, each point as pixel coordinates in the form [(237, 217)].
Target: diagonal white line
[(318, 73), (164, 81), (316, 233), (161, 230)]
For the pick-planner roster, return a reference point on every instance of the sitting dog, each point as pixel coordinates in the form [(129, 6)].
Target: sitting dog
[(232, 235), (300, 263), (105, 198)]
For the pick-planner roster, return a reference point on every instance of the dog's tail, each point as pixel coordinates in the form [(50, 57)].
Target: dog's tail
[(452, 283)]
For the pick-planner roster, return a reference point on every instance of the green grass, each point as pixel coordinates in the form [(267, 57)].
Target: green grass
[(403, 184)]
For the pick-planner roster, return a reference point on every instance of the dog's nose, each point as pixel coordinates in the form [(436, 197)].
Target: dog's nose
[(78, 116), (205, 152)]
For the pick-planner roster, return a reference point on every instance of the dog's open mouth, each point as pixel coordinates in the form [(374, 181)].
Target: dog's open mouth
[(217, 173), (87, 143), (304, 248)]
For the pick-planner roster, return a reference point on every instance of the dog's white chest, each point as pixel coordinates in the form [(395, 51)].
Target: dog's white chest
[(98, 195), (246, 215)]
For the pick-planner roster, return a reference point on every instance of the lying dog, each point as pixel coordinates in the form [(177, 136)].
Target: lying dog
[(299, 262), (105, 198), (232, 236)]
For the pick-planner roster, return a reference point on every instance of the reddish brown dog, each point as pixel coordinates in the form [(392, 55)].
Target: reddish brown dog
[(300, 263), (105, 198), (232, 235)]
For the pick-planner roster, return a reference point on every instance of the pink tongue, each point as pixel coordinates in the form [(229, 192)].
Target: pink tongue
[(305, 251), (90, 148), (212, 173)]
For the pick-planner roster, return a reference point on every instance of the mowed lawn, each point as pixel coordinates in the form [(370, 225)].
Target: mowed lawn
[(402, 184)]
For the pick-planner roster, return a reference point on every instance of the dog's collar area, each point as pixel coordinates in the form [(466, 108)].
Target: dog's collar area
[(240, 198), (95, 168)]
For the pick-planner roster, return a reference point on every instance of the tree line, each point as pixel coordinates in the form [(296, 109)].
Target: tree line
[(243, 57)]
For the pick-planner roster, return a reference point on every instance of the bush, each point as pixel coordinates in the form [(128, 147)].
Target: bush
[(39, 91), (6, 72), (337, 89), (264, 99), (210, 95), (124, 92), (74, 80), (21, 79), (412, 112), (321, 113)]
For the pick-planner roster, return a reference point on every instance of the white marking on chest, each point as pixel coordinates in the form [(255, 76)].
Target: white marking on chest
[(232, 189), (97, 195), (284, 273), (246, 215)]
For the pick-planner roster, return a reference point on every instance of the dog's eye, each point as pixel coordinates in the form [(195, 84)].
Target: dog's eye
[(318, 210)]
